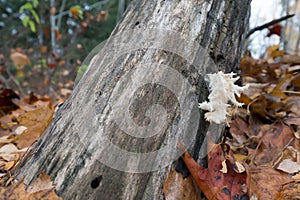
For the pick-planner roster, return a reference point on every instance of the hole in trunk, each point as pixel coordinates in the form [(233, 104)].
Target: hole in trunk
[(96, 182)]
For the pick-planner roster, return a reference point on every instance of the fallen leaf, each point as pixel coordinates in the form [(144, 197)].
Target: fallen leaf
[(65, 92), (19, 59), (177, 188), (275, 30), (290, 59), (271, 51), (224, 167), (6, 104), (289, 166), (7, 139), (239, 130), (36, 121), (8, 148), (102, 15), (42, 183), (290, 191), (10, 156), (265, 182), (9, 152), (17, 191), (294, 121), (23, 105), (296, 81), (294, 68), (274, 138), (20, 130), (296, 177), (9, 165), (214, 183), (293, 106), (240, 167)]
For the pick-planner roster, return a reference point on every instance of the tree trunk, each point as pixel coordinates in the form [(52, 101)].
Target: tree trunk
[(116, 136)]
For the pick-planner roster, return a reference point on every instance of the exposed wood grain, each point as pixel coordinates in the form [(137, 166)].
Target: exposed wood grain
[(69, 150)]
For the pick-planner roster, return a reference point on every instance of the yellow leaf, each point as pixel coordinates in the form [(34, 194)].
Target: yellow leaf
[(19, 59), (9, 165), (36, 121)]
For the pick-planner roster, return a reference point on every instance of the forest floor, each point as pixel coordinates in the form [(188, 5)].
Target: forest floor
[(258, 158)]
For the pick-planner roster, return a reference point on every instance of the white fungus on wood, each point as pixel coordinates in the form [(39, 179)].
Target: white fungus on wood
[(222, 90)]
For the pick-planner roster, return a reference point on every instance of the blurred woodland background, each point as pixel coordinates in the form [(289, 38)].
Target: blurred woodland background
[(43, 42), (285, 33)]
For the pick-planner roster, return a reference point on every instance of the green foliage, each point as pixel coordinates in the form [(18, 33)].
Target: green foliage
[(29, 13), (76, 11), (81, 71), (78, 36)]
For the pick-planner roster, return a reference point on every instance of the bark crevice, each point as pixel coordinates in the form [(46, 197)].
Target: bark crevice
[(70, 148)]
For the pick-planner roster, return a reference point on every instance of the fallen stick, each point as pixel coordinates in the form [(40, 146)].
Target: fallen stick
[(266, 25)]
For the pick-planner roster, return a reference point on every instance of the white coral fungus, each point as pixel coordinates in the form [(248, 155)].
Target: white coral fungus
[(222, 90)]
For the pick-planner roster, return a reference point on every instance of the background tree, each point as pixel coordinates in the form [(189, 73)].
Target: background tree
[(54, 37), (71, 148), (290, 36)]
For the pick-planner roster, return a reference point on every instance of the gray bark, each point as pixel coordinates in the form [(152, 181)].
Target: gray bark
[(121, 8), (70, 149)]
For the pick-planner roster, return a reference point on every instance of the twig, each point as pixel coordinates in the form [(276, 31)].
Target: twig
[(291, 92), (277, 160), (255, 152), (4, 81), (266, 25), (7, 126), (97, 5), (53, 27), (15, 171), (61, 9), (58, 18), (15, 82)]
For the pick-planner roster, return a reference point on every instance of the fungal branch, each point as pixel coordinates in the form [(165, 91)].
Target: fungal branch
[(222, 90)]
